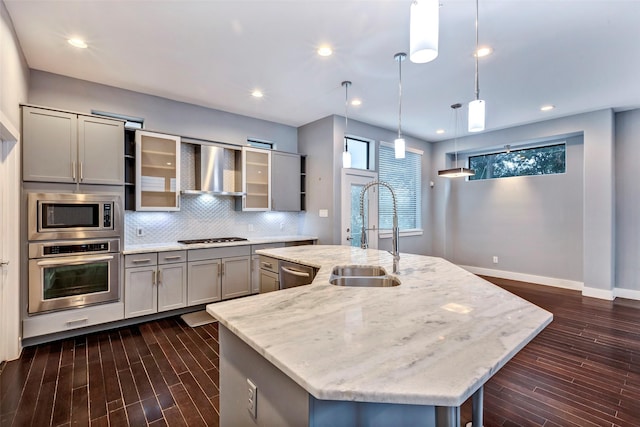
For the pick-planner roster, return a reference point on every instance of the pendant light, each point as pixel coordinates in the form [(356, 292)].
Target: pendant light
[(399, 144), (476, 107), (346, 155), (423, 31), (456, 172)]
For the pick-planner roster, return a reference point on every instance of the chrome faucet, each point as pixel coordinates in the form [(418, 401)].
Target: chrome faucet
[(396, 230)]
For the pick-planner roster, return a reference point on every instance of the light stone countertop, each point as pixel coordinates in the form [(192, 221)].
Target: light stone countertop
[(433, 340), (175, 246)]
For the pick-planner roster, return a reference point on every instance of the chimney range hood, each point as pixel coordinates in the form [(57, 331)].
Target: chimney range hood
[(209, 169)]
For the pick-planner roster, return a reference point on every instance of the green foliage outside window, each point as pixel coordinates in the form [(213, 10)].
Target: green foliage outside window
[(550, 159)]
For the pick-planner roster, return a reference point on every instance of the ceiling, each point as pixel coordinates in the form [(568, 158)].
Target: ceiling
[(579, 55)]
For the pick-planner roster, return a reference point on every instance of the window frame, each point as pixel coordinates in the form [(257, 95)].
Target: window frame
[(370, 150), (387, 234), (516, 148)]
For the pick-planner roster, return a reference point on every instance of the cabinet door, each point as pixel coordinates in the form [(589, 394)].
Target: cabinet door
[(256, 179), (236, 278), (49, 144), (100, 151), (172, 286), (140, 291), (268, 281), (285, 182), (157, 172), (203, 282)]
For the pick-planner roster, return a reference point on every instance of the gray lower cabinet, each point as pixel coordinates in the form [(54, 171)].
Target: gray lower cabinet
[(285, 181), (67, 147), (255, 264), (218, 273), (154, 282)]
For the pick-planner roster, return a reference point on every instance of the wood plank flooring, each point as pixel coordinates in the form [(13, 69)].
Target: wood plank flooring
[(582, 370)]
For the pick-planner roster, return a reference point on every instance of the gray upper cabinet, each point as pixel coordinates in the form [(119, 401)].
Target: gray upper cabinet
[(285, 181), (60, 146)]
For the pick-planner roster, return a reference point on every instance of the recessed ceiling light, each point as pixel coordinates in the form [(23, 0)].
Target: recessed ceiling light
[(79, 43), (257, 93), (547, 107), (484, 51), (325, 51), (356, 102), (440, 131)]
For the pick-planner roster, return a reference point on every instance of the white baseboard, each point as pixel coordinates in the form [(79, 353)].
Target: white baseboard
[(522, 277), (606, 294), (627, 293)]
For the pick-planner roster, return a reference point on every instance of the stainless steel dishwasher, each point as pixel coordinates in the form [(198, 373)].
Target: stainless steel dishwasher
[(292, 274)]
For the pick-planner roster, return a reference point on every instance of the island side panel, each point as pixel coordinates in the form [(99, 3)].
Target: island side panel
[(280, 401)]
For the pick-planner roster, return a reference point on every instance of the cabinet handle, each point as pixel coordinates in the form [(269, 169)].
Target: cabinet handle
[(73, 170), (267, 265), (153, 277), (137, 261), (222, 269), (72, 322), (159, 277), (173, 257), (81, 174)]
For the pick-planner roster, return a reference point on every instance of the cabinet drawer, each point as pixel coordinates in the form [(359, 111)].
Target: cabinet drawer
[(140, 260), (172, 257), (213, 253), (268, 264), (66, 320)]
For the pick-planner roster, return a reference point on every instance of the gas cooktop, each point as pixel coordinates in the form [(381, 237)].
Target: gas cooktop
[(213, 240)]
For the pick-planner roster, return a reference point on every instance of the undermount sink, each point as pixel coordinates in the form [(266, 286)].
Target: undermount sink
[(358, 270), (364, 281)]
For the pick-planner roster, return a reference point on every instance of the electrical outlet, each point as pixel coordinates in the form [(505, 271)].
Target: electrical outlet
[(139, 232), (495, 259), (252, 404)]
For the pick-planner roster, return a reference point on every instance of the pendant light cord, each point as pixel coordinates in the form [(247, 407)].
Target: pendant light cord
[(400, 57), (476, 55), (346, 85)]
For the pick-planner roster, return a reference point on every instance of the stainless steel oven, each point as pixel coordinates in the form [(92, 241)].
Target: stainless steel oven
[(55, 216), (73, 273)]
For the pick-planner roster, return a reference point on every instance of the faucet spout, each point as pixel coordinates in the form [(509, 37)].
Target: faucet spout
[(396, 230)]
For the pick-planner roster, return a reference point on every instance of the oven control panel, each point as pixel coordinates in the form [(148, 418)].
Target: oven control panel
[(73, 247), (68, 249)]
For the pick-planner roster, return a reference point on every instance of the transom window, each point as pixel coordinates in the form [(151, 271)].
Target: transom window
[(549, 159), (359, 149)]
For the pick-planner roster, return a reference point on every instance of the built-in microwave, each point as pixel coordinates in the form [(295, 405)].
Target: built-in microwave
[(56, 216)]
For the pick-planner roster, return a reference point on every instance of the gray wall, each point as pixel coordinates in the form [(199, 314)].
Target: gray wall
[(452, 213), (160, 114), (322, 141), (627, 200)]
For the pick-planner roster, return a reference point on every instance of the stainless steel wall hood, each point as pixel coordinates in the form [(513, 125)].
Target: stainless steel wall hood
[(209, 169)]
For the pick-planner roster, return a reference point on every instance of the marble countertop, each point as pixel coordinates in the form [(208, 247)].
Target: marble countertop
[(175, 246), (433, 340)]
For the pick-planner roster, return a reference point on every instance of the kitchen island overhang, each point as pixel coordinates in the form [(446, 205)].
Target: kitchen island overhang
[(432, 341)]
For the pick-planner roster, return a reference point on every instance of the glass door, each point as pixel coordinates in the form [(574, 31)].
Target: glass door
[(157, 172), (352, 184), (256, 179)]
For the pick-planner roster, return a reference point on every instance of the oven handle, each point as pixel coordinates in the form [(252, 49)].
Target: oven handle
[(83, 260)]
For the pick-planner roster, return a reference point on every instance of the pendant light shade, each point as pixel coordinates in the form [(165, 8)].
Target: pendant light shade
[(456, 172), (476, 115), (346, 155), (423, 31), (476, 107), (399, 144)]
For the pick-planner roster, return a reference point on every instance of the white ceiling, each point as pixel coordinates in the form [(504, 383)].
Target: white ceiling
[(579, 55)]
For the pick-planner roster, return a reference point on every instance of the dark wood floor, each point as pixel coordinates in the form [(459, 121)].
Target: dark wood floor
[(582, 370)]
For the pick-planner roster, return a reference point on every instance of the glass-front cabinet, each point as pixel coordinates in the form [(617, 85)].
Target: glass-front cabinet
[(256, 179), (157, 171)]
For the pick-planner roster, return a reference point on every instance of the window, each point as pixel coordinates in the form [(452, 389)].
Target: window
[(550, 159), (359, 149), (267, 145), (405, 176)]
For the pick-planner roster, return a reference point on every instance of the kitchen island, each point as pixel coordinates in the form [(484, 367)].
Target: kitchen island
[(332, 355)]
